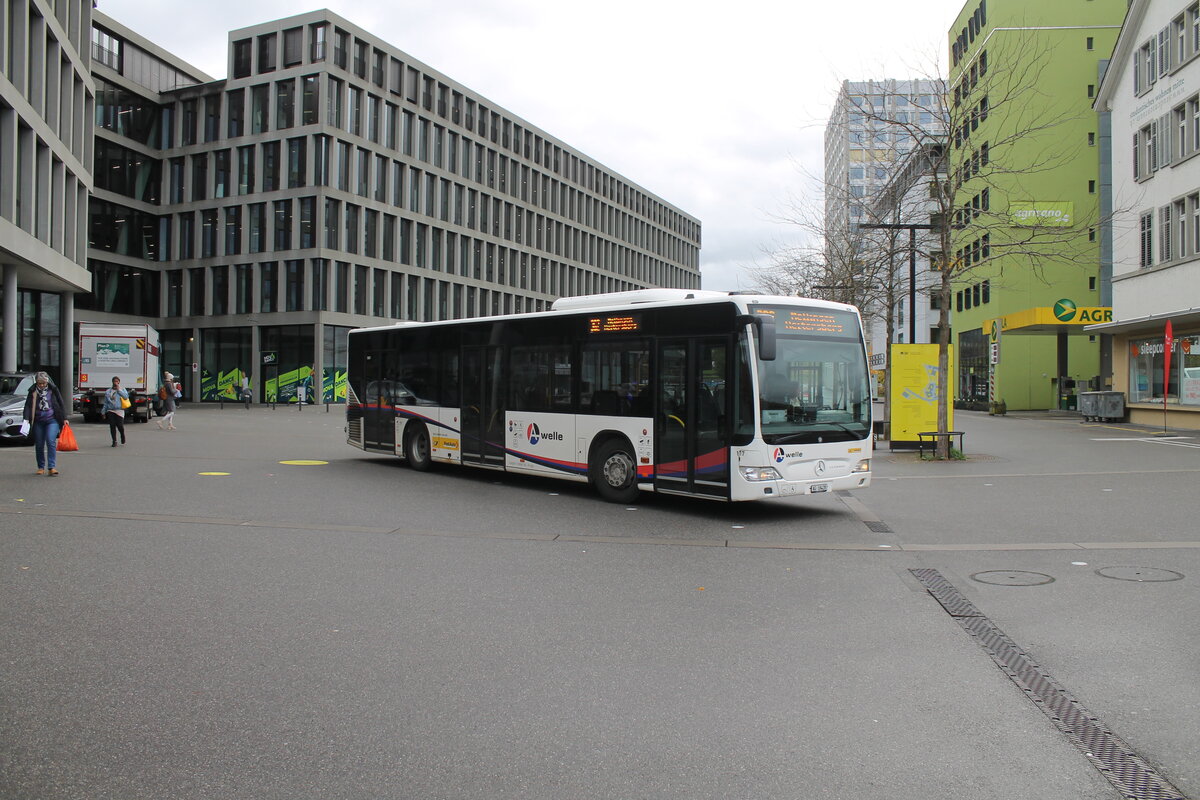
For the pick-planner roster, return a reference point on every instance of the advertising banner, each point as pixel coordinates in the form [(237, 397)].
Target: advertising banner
[(914, 397)]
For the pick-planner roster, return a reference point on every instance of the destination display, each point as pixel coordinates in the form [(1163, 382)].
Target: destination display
[(821, 322), (624, 323)]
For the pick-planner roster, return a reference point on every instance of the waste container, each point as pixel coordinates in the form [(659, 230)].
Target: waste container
[(1102, 406)]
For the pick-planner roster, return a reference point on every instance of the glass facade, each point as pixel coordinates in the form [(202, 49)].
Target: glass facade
[(233, 192), (1148, 378), (227, 361)]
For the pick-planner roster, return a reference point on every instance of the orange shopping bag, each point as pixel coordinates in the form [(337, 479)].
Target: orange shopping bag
[(66, 439)]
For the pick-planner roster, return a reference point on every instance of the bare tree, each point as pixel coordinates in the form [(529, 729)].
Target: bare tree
[(850, 256), (1002, 132)]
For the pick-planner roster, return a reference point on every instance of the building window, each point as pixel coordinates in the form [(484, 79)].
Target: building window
[(308, 213), (221, 174), (233, 231), (246, 170), (1181, 237), (266, 53), (1164, 232), (196, 291), (294, 285), (362, 282), (200, 176), (297, 162), (311, 91), (341, 298), (283, 225), (220, 289), (293, 46), (243, 288), (241, 58), (212, 117), (1146, 368), (320, 284), (1147, 240), (267, 285), (208, 233), (1194, 207), (270, 173), (236, 100), (257, 223), (260, 108), (285, 104)]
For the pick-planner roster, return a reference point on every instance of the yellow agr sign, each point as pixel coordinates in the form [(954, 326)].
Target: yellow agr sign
[(1043, 319)]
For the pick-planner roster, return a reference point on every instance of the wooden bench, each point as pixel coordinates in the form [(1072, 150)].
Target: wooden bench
[(931, 438)]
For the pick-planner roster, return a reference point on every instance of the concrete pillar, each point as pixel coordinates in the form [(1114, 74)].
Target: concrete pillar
[(318, 363), (12, 328), (66, 349)]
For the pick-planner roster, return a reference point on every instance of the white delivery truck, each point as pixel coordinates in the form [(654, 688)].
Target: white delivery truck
[(128, 352)]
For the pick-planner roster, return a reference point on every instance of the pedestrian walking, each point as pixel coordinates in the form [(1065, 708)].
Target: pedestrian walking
[(45, 413), (168, 394), (116, 400)]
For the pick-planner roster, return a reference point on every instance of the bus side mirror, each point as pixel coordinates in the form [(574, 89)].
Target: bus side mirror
[(764, 333)]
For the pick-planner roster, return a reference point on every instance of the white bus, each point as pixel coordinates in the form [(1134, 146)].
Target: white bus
[(720, 395)]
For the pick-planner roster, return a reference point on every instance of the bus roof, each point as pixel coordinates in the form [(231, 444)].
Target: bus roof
[(613, 301)]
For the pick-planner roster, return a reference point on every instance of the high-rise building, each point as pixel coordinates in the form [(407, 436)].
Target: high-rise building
[(332, 181), (873, 128), (875, 143), (46, 107), (1025, 182)]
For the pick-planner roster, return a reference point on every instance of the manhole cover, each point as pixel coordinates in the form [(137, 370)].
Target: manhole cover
[(1012, 577), (1140, 574)]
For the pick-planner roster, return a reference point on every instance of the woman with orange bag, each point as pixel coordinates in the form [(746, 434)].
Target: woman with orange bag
[(45, 414)]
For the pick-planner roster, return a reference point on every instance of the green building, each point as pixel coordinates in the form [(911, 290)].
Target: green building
[(1026, 190)]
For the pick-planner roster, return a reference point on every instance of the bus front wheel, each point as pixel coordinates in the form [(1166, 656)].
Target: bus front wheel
[(416, 447), (614, 472)]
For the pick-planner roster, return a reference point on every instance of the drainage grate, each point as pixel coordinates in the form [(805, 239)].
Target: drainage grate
[(1123, 768), (878, 527)]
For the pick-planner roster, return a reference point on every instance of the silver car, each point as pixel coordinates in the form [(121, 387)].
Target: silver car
[(14, 388)]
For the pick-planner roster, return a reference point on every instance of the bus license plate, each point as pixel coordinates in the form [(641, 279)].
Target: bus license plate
[(818, 487)]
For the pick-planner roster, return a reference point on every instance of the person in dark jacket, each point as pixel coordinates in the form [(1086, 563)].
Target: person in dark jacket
[(45, 413)]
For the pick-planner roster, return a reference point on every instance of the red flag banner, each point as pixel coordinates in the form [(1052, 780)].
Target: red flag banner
[(1168, 346)]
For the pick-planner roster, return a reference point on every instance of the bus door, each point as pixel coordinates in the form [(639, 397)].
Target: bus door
[(379, 415), (692, 442), (483, 421)]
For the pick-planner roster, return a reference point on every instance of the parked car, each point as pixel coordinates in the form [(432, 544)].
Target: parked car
[(14, 388)]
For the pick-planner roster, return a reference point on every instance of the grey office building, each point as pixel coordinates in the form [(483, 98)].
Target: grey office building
[(46, 107), (332, 181)]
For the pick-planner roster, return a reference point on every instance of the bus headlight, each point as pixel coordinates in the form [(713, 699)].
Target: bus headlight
[(863, 466), (756, 474)]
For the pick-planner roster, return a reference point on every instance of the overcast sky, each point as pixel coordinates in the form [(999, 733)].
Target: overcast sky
[(718, 108)]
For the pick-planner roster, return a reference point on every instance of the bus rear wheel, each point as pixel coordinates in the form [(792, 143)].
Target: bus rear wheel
[(614, 472), (416, 447)]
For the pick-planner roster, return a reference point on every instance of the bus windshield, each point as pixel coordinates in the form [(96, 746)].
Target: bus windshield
[(817, 388)]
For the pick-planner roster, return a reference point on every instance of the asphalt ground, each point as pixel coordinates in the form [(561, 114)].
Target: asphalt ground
[(188, 616)]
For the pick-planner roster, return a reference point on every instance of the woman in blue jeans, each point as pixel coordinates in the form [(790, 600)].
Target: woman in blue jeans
[(45, 414)]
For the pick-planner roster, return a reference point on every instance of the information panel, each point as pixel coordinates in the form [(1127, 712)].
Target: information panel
[(914, 398)]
